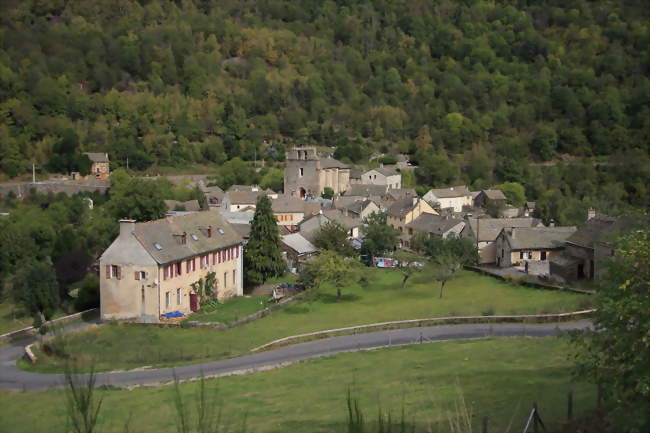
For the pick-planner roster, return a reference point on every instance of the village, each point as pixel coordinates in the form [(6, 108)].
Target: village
[(149, 273)]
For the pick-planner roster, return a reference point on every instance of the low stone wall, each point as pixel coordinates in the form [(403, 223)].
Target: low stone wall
[(529, 318), (30, 331)]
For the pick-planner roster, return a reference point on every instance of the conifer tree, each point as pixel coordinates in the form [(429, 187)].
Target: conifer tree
[(262, 256)]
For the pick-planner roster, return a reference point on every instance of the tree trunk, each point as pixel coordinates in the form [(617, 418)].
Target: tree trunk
[(442, 286), (338, 295), (406, 277)]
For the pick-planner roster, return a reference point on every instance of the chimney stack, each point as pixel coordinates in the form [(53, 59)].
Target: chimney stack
[(209, 231), (127, 226), (591, 213), (551, 223)]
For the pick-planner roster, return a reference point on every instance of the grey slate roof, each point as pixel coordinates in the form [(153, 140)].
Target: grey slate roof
[(489, 228), (367, 190), (346, 221), (165, 232), (97, 156), (386, 171), (602, 229), (288, 204), (401, 193), (494, 194), (331, 163), (452, 191), (537, 238), (430, 223), (298, 243), (189, 206), (400, 207), (355, 173), (243, 197), (243, 188)]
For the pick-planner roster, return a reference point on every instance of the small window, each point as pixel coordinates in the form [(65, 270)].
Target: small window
[(140, 275), (543, 255), (301, 172), (168, 299), (225, 279)]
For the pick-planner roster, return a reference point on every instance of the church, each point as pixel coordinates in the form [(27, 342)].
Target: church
[(307, 174)]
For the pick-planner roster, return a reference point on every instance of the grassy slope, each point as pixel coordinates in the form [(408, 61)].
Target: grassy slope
[(499, 378), (12, 318), (233, 309), (132, 346)]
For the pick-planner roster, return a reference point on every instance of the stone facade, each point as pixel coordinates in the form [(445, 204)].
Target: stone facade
[(307, 174)]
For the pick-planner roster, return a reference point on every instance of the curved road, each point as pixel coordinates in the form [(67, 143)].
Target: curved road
[(14, 378)]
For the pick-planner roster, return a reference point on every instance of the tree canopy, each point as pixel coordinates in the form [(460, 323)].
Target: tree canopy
[(262, 255)]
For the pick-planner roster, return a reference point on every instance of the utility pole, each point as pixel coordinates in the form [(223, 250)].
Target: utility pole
[(33, 173), (127, 163)]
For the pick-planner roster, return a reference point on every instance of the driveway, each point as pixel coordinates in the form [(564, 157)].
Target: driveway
[(13, 378)]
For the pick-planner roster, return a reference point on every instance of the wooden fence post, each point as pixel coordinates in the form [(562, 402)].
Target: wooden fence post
[(535, 417), (569, 408), (485, 424)]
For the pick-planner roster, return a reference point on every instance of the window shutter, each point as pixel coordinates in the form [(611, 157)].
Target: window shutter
[(119, 272), (108, 272), (137, 275)]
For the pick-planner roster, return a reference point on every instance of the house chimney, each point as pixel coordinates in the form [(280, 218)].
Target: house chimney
[(184, 238), (127, 226), (591, 213), (551, 223), (209, 231)]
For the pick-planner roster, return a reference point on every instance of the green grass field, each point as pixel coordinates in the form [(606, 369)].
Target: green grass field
[(122, 346), (12, 318), (233, 309), (497, 378)]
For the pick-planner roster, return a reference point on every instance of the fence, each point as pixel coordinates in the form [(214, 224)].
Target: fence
[(426, 322), (29, 331)]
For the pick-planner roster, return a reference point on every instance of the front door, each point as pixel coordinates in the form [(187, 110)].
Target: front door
[(194, 302)]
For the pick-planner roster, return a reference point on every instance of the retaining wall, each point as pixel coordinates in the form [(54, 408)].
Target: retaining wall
[(30, 331)]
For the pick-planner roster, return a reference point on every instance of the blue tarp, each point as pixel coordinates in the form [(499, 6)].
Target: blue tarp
[(173, 314)]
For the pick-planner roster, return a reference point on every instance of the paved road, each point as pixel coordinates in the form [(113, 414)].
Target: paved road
[(12, 377)]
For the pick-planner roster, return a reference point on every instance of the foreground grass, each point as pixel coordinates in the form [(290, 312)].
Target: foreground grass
[(117, 346), (13, 318), (498, 378)]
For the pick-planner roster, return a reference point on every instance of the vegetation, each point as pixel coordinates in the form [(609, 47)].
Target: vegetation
[(262, 256), (377, 299), (616, 354), (35, 289), (230, 310), (499, 378), (462, 250), (332, 236), (331, 267), (378, 236)]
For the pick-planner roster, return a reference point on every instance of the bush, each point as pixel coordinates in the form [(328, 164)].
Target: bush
[(87, 293)]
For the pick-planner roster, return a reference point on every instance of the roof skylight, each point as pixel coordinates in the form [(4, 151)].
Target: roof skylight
[(220, 230), (195, 237), (157, 246)]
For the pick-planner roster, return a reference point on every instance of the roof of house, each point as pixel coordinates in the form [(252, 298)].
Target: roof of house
[(430, 223), (494, 194), (524, 238), (288, 204), (347, 222), (401, 193), (162, 238), (298, 243), (451, 192), (489, 228), (243, 188), (366, 190), (401, 207), (244, 230), (331, 163), (189, 206), (386, 171), (97, 156), (601, 229), (243, 197), (355, 173)]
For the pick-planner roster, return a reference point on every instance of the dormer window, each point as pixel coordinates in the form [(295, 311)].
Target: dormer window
[(184, 238)]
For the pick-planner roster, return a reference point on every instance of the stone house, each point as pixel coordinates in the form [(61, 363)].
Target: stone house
[(361, 190), (310, 226), (297, 251), (213, 195), (587, 249), (491, 199), (435, 225), (149, 269), (454, 197), (404, 211), (531, 248), (306, 174), (355, 176), (188, 206), (234, 201), (484, 232), (100, 165), (529, 209), (355, 207), (290, 211), (382, 176)]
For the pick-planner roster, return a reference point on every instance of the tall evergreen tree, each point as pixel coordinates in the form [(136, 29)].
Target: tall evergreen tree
[(262, 256)]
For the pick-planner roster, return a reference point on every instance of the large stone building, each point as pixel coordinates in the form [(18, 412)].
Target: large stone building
[(307, 174), (150, 268), (530, 246)]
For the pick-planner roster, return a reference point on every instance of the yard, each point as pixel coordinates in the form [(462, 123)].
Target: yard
[(232, 309), (122, 346), (498, 378)]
